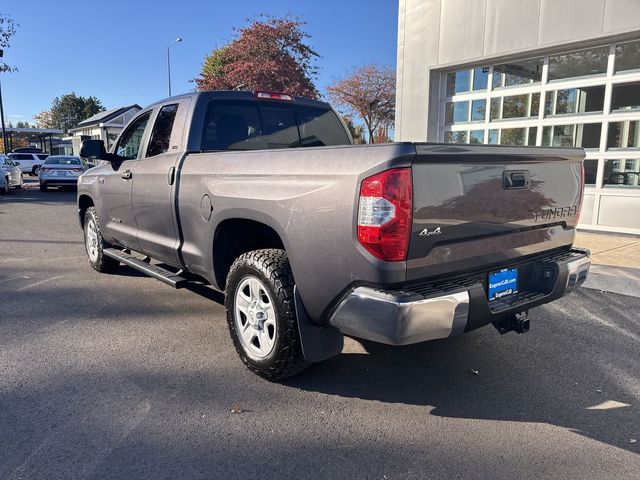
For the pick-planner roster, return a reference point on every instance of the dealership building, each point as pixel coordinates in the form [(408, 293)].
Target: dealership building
[(530, 72)]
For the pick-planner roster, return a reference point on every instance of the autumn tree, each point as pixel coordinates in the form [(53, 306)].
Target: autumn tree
[(70, 109), (357, 131), (268, 54), (368, 92), (43, 119)]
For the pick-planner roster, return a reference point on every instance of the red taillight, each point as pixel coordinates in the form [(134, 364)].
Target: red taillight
[(581, 191), (274, 96), (384, 214)]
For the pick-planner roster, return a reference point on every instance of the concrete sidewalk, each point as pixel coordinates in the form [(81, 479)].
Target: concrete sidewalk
[(615, 262)]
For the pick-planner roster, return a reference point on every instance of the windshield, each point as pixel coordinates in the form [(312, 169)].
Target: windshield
[(62, 161)]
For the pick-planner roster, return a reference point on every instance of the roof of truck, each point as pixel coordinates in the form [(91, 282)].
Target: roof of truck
[(240, 95)]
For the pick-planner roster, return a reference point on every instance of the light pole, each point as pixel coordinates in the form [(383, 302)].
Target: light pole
[(4, 133), (169, 61)]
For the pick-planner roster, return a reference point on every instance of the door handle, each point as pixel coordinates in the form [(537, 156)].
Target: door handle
[(171, 175), (127, 175)]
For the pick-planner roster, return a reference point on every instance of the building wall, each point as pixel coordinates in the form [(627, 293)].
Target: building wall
[(435, 34), (439, 40)]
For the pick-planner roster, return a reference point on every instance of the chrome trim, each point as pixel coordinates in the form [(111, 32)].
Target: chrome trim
[(577, 273), (401, 319)]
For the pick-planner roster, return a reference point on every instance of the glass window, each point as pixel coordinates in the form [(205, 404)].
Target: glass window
[(515, 106), (456, 112), (279, 128), (42, 156), (627, 56), (493, 137), (575, 135), (476, 136), (592, 61), (590, 172), (161, 134), (512, 136), (517, 73), (624, 134), (230, 126), (531, 137), (495, 109), (621, 173), (320, 127), (535, 104), (575, 100), (458, 82), (129, 144), (625, 96), (478, 108), (480, 78), (455, 137), (56, 160)]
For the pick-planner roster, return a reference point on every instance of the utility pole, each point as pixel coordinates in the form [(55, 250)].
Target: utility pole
[(4, 132)]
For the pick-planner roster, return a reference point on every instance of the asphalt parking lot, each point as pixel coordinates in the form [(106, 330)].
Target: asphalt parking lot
[(119, 376)]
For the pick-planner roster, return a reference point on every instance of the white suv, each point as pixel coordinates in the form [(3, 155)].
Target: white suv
[(29, 162)]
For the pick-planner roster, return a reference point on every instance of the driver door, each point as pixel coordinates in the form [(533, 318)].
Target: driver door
[(116, 180)]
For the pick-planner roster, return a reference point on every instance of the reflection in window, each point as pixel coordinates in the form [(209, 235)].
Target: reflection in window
[(512, 136), (592, 61), (456, 112), (478, 108), (621, 173), (531, 136), (515, 106), (627, 56), (493, 137), (585, 135), (590, 172), (624, 135), (517, 73), (458, 82), (575, 100), (455, 137), (480, 78), (625, 96), (476, 136), (495, 109)]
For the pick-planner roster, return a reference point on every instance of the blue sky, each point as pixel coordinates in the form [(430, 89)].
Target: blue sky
[(116, 50)]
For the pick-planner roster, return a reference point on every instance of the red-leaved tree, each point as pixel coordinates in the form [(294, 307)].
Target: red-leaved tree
[(269, 54), (368, 92)]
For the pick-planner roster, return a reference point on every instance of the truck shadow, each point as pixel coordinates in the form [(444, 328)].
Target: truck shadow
[(578, 368)]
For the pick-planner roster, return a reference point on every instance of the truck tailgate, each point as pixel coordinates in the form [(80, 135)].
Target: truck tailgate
[(483, 205)]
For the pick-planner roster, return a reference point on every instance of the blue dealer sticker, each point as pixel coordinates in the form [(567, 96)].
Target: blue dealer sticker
[(503, 283)]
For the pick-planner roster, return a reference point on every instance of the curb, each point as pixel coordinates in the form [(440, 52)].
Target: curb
[(620, 280)]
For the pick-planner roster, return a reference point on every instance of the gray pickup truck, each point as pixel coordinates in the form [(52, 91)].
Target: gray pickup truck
[(264, 197)]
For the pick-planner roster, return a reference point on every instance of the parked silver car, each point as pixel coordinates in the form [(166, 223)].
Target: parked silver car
[(60, 171), (10, 174)]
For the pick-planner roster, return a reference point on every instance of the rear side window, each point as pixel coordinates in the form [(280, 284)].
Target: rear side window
[(62, 161), (247, 125), (161, 135), (42, 156), (21, 156)]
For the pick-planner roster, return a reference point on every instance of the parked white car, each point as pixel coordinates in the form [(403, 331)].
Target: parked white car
[(10, 175), (29, 162), (60, 171)]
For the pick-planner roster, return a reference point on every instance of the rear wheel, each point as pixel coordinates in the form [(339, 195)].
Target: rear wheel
[(35, 170), (95, 244), (4, 188), (261, 314), (19, 186)]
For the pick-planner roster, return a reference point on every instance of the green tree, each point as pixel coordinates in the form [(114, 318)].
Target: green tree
[(70, 109), (7, 30)]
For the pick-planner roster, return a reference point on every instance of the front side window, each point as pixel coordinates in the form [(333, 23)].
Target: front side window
[(129, 144), (161, 135)]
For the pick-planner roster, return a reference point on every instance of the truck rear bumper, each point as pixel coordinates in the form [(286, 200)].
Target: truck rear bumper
[(427, 311)]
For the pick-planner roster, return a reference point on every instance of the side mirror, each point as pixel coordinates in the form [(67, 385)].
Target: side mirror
[(93, 149)]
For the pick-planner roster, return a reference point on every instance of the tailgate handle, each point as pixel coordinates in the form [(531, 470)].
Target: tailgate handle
[(514, 180)]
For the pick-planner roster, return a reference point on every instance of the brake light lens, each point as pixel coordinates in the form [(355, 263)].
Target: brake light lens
[(274, 96), (385, 214)]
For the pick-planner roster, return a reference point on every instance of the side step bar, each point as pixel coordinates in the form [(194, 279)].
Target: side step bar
[(165, 276)]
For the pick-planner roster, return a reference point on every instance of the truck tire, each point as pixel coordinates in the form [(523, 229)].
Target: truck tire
[(94, 244), (261, 314)]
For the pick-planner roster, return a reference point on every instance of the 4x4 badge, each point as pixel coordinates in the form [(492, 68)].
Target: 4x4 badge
[(427, 233)]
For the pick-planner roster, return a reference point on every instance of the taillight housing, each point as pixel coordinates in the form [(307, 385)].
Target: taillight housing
[(581, 191), (385, 214)]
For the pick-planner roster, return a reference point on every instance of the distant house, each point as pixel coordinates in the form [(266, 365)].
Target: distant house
[(105, 126)]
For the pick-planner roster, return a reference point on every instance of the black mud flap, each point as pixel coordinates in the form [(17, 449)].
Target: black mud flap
[(318, 343)]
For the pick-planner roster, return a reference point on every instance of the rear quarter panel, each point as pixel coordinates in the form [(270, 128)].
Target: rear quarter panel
[(308, 196)]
